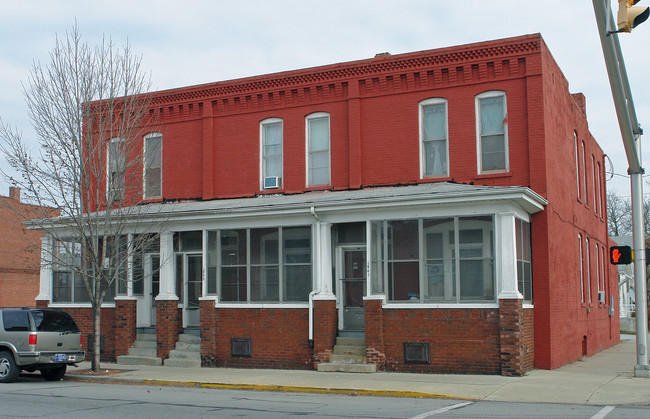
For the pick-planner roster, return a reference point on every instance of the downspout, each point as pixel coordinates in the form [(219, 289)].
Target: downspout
[(317, 290)]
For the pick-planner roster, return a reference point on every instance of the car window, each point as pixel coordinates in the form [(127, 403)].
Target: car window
[(15, 321), (53, 321)]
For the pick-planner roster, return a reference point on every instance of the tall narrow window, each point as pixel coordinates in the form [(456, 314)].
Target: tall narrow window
[(584, 174), (116, 168), (153, 166), (588, 269), (492, 129), (433, 138), (582, 263), (594, 183), (318, 149), (271, 147), (599, 190), (575, 144)]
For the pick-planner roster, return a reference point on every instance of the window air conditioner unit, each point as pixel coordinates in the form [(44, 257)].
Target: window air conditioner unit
[(601, 296), (271, 182)]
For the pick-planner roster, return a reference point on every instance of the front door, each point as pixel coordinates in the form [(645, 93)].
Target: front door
[(190, 270), (352, 286), (146, 286)]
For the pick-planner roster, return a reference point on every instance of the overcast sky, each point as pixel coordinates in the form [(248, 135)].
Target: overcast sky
[(192, 41)]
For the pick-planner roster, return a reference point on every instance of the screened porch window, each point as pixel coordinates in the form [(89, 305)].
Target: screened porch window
[(260, 264), (434, 260)]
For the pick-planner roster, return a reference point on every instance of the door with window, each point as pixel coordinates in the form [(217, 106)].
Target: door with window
[(351, 274), (189, 283)]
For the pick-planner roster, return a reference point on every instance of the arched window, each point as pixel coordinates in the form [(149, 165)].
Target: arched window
[(492, 132), (434, 144)]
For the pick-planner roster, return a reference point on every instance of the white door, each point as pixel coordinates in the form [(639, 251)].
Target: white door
[(189, 276), (351, 275)]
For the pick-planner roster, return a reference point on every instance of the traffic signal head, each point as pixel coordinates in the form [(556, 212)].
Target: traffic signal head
[(620, 255), (630, 17)]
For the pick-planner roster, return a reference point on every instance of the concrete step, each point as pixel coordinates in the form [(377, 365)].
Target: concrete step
[(146, 337), (145, 344), (191, 339), (143, 352), (190, 347), (350, 350), (183, 363), (176, 354), (354, 368), (346, 341), (139, 360), (347, 359)]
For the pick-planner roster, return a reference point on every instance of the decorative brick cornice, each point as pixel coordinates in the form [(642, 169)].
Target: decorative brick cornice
[(336, 73)]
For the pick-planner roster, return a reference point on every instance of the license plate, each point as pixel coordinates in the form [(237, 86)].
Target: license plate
[(60, 358)]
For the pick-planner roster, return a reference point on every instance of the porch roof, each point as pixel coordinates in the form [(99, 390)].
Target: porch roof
[(324, 201)]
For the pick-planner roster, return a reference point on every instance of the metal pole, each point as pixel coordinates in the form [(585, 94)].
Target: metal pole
[(630, 131)]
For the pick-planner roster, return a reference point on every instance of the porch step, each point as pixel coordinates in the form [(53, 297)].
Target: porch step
[(349, 356), (143, 352), (187, 353)]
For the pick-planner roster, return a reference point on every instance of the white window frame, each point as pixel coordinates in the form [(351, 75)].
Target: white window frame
[(582, 262), (109, 181), (423, 168), (575, 143), (270, 121), (479, 140), (145, 194), (308, 118)]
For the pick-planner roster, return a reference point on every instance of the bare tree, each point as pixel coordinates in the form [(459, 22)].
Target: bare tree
[(619, 216), (90, 110)]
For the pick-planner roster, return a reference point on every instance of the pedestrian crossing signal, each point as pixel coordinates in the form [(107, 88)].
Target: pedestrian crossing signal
[(620, 255)]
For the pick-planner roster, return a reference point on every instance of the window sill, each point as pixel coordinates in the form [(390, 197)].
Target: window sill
[(390, 305), (489, 175), (262, 305), (79, 305), (432, 179)]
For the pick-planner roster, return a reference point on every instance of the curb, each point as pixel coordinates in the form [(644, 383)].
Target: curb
[(269, 388)]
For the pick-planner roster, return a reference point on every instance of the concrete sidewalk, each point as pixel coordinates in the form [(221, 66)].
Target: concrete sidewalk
[(606, 378)]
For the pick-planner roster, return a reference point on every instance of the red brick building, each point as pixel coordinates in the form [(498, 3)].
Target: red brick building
[(20, 255), (447, 206)]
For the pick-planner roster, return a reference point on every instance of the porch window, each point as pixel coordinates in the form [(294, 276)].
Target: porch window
[(260, 264), (524, 269), (434, 260), (67, 285)]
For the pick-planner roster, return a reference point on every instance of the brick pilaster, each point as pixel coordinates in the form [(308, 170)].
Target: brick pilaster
[(374, 324), (125, 324), (208, 334), (325, 327), (511, 334), (168, 322)]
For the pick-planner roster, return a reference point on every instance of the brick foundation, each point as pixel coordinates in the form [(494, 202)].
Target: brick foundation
[(125, 325), (374, 324), (512, 335), (325, 328), (168, 323), (208, 335)]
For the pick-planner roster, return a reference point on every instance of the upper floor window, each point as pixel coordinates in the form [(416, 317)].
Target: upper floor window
[(318, 149), (583, 160), (575, 144), (492, 132), (433, 138), (116, 169), (153, 166), (271, 155)]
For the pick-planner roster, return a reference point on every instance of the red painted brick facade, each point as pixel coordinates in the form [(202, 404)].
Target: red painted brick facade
[(211, 150), (125, 325)]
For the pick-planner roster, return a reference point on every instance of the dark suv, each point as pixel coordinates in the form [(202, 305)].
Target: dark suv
[(41, 339)]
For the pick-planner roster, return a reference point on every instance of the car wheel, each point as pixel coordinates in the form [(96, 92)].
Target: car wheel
[(9, 371), (54, 373)]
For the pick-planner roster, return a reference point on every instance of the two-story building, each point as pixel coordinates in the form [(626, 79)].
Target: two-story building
[(445, 206)]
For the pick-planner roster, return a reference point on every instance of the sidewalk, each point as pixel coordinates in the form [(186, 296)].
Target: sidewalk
[(606, 378)]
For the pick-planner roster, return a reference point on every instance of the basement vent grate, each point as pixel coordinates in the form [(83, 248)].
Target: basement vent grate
[(416, 353), (241, 347)]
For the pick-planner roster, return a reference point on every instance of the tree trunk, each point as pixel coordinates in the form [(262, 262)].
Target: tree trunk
[(96, 337)]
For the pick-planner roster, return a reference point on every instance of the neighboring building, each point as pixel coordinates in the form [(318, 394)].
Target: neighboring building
[(446, 205), (20, 251)]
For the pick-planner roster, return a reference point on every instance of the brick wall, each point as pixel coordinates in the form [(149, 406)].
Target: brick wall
[(169, 325), (125, 325), (528, 340), (84, 319), (278, 337), (461, 341), (325, 328), (208, 335)]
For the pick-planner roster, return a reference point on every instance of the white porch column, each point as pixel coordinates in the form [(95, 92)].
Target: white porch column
[(507, 274), (45, 287), (324, 260), (167, 274)]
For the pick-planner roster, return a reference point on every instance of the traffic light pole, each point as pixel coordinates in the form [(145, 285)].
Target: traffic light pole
[(631, 132)]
